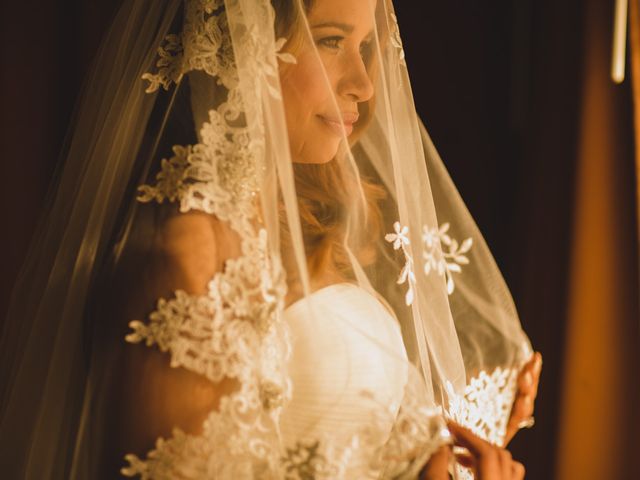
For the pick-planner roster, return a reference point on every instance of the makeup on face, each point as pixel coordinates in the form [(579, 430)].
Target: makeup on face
[(322, 91)]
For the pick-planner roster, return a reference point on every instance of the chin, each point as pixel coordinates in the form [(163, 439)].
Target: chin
[(324, 158), (315, 160), (324, 153)]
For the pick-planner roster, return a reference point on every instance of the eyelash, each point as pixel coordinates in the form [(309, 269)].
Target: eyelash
[(334, 43)]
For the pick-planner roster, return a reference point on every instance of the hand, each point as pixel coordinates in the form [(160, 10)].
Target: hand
[(522, 409), (487, 461), (437, 468)]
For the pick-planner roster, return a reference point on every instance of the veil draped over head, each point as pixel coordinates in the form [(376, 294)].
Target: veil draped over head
[(254, 263)]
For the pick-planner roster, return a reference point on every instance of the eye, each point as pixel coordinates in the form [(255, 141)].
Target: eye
[(333, 42)]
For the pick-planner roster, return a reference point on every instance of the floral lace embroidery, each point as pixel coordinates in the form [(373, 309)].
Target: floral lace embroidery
[(400, 240), (205, 44), (435, 258), (418, 431), (202, 45), (215, 175), (396, 41), (234, 331), (484, 407), (305, 462), (222, 451), (218, 335), (444, 262), (394, 444)]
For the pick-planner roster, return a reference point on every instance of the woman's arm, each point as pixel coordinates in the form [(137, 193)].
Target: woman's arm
[(149, 398)]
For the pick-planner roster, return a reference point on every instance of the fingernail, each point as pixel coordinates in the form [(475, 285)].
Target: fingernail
[(527, 401), (538, 364)]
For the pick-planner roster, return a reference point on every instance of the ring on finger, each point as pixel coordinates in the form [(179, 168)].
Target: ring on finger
[(527, 422)]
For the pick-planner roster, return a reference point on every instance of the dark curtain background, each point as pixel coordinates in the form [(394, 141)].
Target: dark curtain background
[(498, 84)]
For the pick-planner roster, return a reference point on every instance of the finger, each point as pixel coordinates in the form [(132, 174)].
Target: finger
[(531, 362), (534, 363), (534, 367), (466, 460), (467, 439), (522, 408), (537, 365), (505, 463), (529, 375), (517, 470), (519, 411), (512, 429), (527, 380), (537, 371), (489, 465), (438, 465)]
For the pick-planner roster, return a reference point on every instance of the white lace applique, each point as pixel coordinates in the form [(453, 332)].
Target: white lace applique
[(284, 57), (217, 335), (234, 331), (305, 461), (419, 430), (205, 44), (332, 457), (217, 176), (202, 45), (223, 450), (396, 41), (400, 240), (395, 441), (445, 263), (435, 258), (484, 407), (394, 444)]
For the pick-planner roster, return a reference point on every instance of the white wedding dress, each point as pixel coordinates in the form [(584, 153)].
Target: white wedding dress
[(226, 381), (356, 409), (347, 389)]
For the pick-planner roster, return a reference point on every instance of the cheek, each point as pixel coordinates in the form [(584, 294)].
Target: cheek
[(305, 96), (304, 88)]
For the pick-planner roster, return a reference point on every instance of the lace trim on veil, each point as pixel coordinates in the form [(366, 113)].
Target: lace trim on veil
[(235, 330)]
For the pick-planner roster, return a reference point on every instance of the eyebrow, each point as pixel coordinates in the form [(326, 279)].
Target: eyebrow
[(345, 27)]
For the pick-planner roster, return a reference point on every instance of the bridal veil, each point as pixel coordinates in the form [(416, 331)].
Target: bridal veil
[(253, 263)]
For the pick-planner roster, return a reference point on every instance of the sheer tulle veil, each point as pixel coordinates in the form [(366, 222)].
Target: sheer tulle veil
[(329, 235)]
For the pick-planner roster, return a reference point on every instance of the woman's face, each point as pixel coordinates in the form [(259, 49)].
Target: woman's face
[(328, 74)]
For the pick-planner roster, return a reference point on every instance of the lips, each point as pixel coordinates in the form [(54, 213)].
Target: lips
[(340, 126)]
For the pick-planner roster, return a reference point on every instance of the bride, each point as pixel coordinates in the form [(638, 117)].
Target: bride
[(256, 266)]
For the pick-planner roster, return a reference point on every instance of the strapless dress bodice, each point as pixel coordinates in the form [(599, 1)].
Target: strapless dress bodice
[(348, 370)]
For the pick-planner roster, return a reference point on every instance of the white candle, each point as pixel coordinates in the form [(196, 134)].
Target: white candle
[(619, 41)]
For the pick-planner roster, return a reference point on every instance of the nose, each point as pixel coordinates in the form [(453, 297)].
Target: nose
[(355, 82)]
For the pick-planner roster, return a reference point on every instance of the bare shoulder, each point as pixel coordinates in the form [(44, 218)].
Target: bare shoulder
[(150, 397), (193, 246)]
